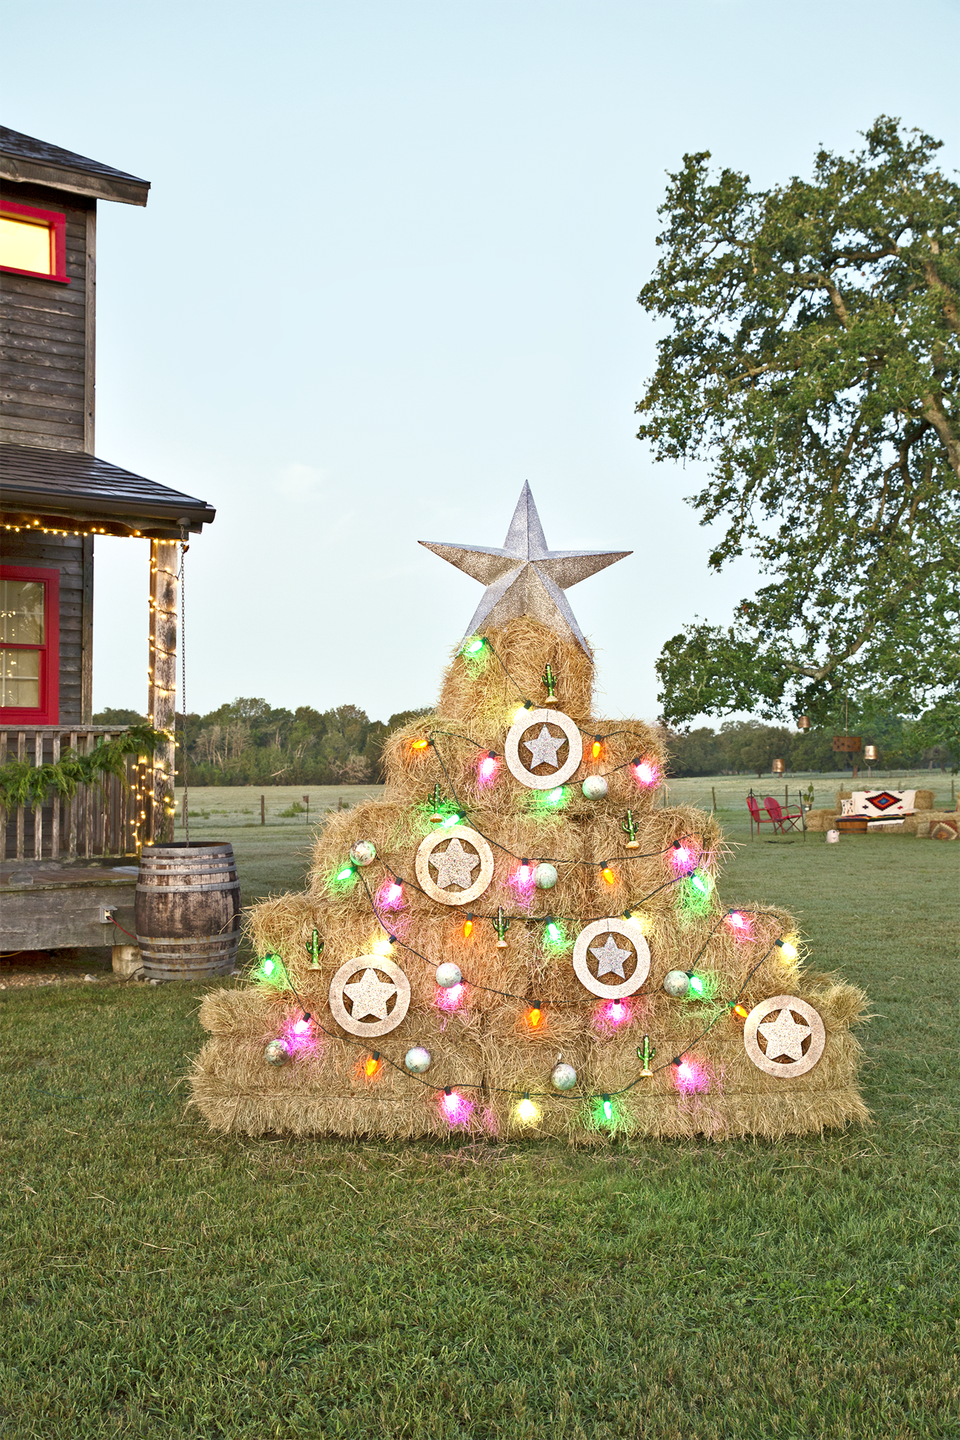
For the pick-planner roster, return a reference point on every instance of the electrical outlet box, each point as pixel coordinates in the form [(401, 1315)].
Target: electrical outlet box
[(107, 913)]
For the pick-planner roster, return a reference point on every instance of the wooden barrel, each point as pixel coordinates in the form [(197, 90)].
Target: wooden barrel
[(187, 910)]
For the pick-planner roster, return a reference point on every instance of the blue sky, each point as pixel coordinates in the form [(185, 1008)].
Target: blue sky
[(389, 271)]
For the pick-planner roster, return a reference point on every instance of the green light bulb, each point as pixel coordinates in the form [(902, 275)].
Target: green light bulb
[(345, 873), (474, 646), (269, 966), (556, 796), (607, 1109), (696, 984), (700, 884)]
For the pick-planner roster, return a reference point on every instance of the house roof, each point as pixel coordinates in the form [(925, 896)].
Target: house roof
[(61, 487), (23, 158)]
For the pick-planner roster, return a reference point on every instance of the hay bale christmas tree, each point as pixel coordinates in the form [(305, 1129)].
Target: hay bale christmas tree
[(515, 940)]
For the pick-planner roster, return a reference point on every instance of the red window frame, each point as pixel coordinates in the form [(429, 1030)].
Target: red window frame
[(56, 223), (48, 711)]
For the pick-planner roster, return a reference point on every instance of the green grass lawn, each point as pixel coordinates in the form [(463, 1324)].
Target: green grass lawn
[(161, 1281)]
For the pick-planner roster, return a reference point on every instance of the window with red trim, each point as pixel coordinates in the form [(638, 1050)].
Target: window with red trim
[(33, 242), (29, 645)]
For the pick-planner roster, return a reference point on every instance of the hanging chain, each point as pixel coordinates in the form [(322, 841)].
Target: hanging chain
[(184, 547)]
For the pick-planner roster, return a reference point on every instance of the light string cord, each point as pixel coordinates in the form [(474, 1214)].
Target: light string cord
[(540, 919), (490, 989), (465, 811), (530, 705), (579, 1096)]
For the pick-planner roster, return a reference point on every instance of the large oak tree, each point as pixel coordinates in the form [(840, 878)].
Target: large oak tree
[(812, 358)]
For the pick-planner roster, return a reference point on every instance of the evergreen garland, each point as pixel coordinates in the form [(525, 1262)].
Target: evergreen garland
[(22, 783)]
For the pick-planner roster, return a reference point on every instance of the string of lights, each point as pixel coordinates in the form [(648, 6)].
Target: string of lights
[(605, 1099), (463, 811)]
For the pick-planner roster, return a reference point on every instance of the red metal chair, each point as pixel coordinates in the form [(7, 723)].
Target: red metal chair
[(782, 819), (756, 818)]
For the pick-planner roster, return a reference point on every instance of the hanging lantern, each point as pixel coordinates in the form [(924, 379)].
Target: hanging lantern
[(846, 744), (871, 753), (778, 767), (804, 722)]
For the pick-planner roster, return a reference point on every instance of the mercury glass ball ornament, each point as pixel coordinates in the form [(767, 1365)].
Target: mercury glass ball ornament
[(676, 983), (448, 974), (564, 1077), (594, 787), (545, 876), (417, 1060), (276, 1052), (363, 852)]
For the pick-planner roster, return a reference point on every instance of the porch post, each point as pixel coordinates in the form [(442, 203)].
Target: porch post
[(162, 694)]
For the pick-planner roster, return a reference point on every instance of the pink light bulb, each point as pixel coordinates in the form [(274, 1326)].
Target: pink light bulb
[(391, 895), (456, 1108), (451, 998), (646, 773), (692, 1077), (487, 769)]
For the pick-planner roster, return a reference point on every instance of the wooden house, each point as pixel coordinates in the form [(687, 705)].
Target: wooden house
[(56, 497)]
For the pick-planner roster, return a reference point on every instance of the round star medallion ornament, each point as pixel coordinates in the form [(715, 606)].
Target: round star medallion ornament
[(417, 1060), (454, 866), (369, 996), (784, 1036), (276, 1052), (616, 948), (538, 739)]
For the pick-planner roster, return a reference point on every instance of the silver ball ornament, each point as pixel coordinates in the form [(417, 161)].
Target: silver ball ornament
[(564, 1077), (545, 876), (676, 983), (594, 787), (363, 852), (448, 975), (417, 1060), (276, 1052)]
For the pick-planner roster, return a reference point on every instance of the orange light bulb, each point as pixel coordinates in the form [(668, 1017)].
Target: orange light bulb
[(467, 929), (597, 747), (372, 1066), (608, 875), (534, 1016), (419, 744)]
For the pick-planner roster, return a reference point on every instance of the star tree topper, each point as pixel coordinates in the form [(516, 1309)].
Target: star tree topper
[(525, 578)]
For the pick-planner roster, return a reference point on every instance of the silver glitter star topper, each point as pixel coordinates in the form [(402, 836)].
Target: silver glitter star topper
[(525, 578)]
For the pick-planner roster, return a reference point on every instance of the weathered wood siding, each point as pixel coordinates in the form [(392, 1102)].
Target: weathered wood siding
[(47, 337), (72, 555)]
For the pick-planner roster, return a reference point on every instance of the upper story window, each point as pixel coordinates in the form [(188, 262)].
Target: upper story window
[(29, 645), (33, 242)]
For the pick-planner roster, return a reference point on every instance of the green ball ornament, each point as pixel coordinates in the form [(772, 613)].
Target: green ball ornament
[(545, 876), (277, 1052), (564, 1077), (363, 852), (676, 983)]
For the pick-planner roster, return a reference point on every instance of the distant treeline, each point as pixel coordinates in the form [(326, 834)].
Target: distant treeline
[(250, 743), (748, 747)]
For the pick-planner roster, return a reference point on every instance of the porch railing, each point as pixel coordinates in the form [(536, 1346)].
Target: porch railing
[(108, 818)]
